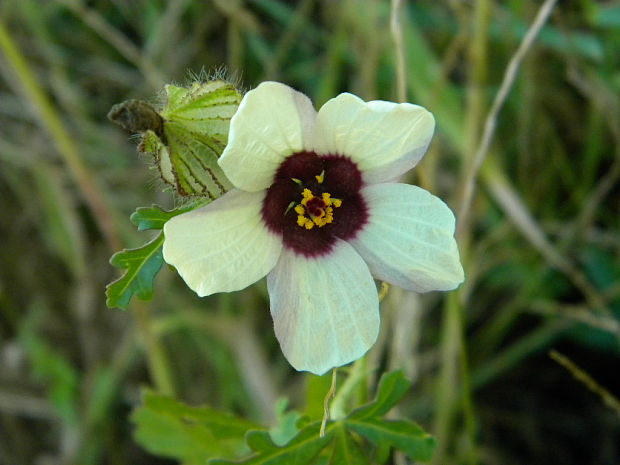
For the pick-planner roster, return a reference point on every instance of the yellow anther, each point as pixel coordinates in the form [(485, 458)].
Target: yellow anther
[(321, 177), (321, 214), (307, 194), (305, 222)]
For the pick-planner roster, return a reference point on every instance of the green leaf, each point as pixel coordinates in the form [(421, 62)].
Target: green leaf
[(391, 390), (286, 426), (605, 16), (345, 436), (60, 378), (400, 434), (190, 434), (142, 265), (346, 450), (154, 217), (301, 450)]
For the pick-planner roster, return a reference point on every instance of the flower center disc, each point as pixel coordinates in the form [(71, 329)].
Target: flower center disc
[(315, 200), (315, 210)]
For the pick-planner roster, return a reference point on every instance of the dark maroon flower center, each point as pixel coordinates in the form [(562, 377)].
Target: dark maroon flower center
[(334, 175)]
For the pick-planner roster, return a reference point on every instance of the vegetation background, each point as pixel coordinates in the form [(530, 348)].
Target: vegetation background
[(541, 246)]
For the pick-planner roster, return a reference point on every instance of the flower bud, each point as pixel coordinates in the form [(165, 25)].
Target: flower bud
[(187, 135)]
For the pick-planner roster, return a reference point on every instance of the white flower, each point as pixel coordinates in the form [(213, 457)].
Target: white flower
[(316, 211)]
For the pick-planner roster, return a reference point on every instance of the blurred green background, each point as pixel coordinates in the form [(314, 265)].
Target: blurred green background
[(541, 250)]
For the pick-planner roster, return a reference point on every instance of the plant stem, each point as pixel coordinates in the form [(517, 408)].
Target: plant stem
[(330, 395), (491, 120), (399, 50), (158, 364)]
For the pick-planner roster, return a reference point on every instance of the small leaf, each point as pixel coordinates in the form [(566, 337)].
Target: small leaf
[(400, 434), (391, 390), (154, 217), (190, 434), (260, 441), (142, 265), (307, 447), (301, 450), (286, 426), (60, 378)]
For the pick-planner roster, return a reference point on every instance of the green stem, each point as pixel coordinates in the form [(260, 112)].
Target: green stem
[(357, 374), (455, 391), (156, 358), (328, 397), (446, 400)]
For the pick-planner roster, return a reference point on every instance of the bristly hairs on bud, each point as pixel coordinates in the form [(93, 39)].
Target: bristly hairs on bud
[(220, 73), (186, 139)]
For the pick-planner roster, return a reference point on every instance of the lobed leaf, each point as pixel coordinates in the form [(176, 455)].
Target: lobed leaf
[(400, 434), (142, 265), (301, 450), (392, 387), (343, 436), (154, 217), (192, 435), (286, 427)]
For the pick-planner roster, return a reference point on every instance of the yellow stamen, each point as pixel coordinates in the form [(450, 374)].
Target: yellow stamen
[(307, 194), (325, 214), (321, 177)]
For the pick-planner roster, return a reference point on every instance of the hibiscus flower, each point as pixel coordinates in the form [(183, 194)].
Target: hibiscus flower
[(317, 210)]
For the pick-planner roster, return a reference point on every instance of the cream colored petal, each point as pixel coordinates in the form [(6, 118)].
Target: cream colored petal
[(325, 310), (222, 247), (385, 139), (273, 121), (409, 240)]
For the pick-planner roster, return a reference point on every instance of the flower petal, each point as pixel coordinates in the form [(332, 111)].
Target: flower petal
[(385, 139), (325, 310), (224, 246), (272, 122), (408, 240)]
